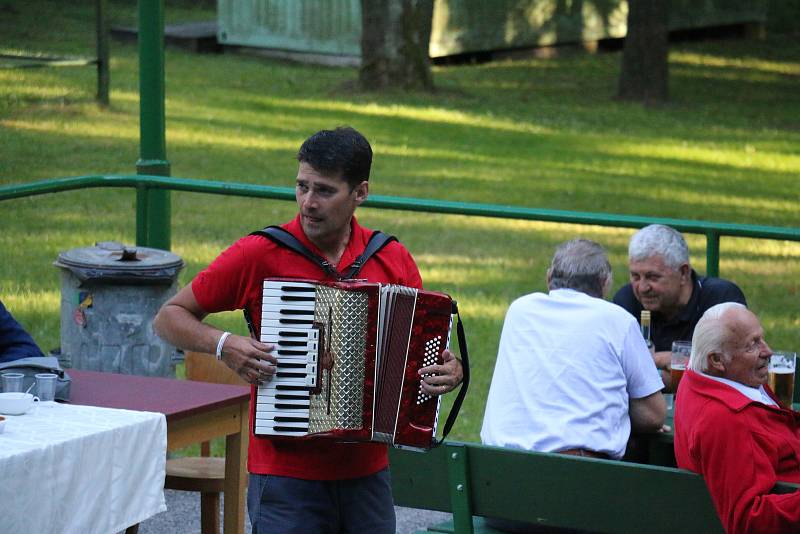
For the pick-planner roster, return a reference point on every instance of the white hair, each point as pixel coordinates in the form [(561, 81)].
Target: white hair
[(711, 334), (659, 240)]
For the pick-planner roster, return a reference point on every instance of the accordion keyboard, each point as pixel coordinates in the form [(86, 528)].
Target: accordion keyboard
[(282, 403)]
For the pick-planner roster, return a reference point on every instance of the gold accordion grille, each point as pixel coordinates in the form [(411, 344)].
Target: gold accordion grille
[(339, 404)]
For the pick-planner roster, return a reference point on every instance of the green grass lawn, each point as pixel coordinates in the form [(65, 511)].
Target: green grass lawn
[(534, 132)]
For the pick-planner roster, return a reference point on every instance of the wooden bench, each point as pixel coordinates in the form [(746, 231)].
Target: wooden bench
[(473, 481)]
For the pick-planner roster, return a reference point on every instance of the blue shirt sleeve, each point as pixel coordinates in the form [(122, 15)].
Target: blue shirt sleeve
[(15, 342)]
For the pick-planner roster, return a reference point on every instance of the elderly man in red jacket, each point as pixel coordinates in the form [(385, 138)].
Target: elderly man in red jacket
[(730, 427)]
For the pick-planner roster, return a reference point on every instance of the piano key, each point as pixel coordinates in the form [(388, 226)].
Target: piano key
[(293, 346), (271, 390), (276, 323), (302, 367), (264, 393), (294, 356), (296, 333), (293, 334), (299, 300), (295, 418), (264, 430), (281, 392), (292, 405), (294, 379), (272, 424), (307, 381), (309, 359), (288, 286), (289, 308)]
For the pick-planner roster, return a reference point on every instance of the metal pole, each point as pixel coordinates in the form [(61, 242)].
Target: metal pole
[(142, 202), (712, 253), (103, 77), (152, 137)]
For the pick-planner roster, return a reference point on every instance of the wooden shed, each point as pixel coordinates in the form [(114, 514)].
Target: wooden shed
[(461, 26)]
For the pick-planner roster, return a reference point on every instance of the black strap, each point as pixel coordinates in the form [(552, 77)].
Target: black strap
[(462, 347), (282, 237), (376, 242)]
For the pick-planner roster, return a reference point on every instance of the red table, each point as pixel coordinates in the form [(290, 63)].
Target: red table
[(195, 412)]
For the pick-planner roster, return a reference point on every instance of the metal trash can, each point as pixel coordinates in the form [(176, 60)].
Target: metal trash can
[(110, 294)]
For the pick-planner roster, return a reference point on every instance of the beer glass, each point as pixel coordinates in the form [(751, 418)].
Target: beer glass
[(781, 376), (681, 350)]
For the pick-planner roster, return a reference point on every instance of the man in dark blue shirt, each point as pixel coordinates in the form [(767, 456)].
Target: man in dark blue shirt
[(15, 342), (663, 281)]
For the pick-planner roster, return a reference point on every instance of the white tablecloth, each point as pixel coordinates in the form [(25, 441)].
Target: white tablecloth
[(80, 469)]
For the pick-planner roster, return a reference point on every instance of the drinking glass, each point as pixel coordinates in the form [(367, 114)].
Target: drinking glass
[(669, 400), (12, 382), (46, 387), (681, 350), (781, 376)]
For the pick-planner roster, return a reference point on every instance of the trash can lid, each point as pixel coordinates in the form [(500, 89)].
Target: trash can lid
[(115, 255)]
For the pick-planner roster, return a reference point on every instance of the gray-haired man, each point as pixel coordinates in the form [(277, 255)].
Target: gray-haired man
[(573, 374), (662, 280)]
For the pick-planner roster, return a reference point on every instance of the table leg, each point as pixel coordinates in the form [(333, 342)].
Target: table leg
[(236, 475)]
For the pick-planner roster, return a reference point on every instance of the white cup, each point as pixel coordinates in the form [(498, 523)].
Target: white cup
[(16, 403)]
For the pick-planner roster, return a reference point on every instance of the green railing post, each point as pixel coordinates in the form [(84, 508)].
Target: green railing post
[(458, 478), (712, 253), (154, 231), (142, 203), (103, 78)]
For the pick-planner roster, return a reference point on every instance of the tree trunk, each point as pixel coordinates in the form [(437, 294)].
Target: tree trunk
[(395, 35), (644, 74)]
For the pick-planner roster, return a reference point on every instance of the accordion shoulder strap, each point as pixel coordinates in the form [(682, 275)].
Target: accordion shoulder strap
[(281, 237), (376, 242), (462, 392)]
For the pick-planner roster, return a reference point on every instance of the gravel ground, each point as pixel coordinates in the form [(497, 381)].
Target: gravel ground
[(183, 516)]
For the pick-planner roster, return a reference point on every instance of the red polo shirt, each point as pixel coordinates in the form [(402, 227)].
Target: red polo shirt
[(234, 281)]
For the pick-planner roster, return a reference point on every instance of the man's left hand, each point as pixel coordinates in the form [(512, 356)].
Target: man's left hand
[(442, 378)]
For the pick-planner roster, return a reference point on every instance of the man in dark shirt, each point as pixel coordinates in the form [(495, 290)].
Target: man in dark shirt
[(15, 342), (663, 281)]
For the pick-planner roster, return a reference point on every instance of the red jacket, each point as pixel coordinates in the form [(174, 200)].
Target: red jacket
[(742, 448)]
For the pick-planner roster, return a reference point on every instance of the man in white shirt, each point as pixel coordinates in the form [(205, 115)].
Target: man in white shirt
[(573, 372)]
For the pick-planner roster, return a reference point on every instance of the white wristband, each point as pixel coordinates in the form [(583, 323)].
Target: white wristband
[(220, 343)]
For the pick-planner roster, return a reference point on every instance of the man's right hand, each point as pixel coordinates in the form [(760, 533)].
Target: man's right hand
[(250, 359)]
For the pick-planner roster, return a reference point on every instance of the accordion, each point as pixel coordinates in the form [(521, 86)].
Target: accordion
[(348, 355)]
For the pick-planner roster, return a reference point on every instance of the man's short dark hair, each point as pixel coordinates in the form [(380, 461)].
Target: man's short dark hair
[(343, 151)]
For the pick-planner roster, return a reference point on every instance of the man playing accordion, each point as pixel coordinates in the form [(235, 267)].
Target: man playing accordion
[(308, 485)]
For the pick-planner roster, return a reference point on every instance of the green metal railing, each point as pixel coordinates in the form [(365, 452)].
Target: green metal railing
[(153, 226)]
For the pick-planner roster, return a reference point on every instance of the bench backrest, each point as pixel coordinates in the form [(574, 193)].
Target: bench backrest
[(550, 489)]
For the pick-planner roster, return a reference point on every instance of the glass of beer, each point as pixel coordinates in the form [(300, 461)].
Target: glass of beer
[(681, 350), (781, 376)]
